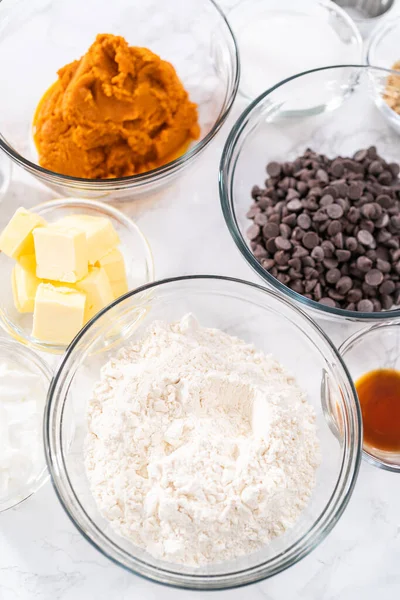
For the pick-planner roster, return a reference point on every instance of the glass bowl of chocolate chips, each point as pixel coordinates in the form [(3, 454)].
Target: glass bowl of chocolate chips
[(312, 199)]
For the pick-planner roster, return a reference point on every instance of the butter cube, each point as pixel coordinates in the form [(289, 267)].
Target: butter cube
[(61, 253), (119, 288), (97, 289), (58, 314), (100, 233), (16, 239), (114, 265), (25, 284)]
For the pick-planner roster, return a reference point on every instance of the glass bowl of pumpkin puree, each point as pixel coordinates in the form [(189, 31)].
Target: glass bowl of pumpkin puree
[(112, 99)]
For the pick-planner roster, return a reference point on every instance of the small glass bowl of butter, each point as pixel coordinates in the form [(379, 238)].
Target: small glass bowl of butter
[(42, 296), (24, 382)]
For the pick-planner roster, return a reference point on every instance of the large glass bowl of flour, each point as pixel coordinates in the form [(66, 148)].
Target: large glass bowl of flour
[(257, 316)]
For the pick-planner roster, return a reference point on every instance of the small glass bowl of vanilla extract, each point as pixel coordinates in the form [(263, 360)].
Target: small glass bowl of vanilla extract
[(373, 359)]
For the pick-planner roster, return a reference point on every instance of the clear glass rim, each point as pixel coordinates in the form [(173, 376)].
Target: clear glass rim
[(347, 476), (347, 346), (33, 358), (128, 223), (376, 36), (154, 175), (305, 10), (226, 179)]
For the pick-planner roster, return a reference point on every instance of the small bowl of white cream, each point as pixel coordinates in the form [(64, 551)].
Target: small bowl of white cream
[(281, 38), (24, 381)]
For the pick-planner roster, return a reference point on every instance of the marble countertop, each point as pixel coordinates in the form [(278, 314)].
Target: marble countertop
[(43, 556)]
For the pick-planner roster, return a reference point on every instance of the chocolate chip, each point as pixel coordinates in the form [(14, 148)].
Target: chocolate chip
[(343, 255), (299, 252), (365, 238), (326, 200), (260, 252), (332, 276), (334, 211), (317, 253), (291, 194), (375, 168), (271, 230), (294, 205), (273, 169), (327, 302), (334, 228), (354, 295), (360, 155), (365, 306), (285, 230), (308, 261), (383, 265), (335, 295), (355, 191), (338, 240), (282, 243), (310, 240), (338, 169), (268, 263), (364, 264), (374, 277), (289, 220), (387, 301), (387, 287), (344, 284), (304, 221), (385, 178), (330, 263), (270, 245), (281, 257), (351, 243), (253, 232)]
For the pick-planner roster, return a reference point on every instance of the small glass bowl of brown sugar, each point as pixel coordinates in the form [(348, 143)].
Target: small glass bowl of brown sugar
[(373, 359), (383, 51)]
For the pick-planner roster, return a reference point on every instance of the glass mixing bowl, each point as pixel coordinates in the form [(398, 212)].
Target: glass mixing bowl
[(274, 325), (5, 174), (271, 129), (27, 363), (382, 51), (193, 35), (134, 247), (376, 347), (265, 62)]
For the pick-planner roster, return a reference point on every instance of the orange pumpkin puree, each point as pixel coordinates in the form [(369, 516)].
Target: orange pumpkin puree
[(118, 111)]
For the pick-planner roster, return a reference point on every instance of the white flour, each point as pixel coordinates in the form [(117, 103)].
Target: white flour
[(200, 448)]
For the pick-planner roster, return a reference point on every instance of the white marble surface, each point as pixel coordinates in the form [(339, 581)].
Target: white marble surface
[(41, 553)]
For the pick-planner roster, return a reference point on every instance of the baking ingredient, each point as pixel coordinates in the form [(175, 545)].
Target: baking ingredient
[(100, 234), (64, 255), (330, 228), (392, 89), (119, 288), (266, 60), (16, 239), (22, 399), (59, 313), (200, 448), (118, 111), (61, 253), (97, 289), (25, 284), (379, 395), (114, 265)]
